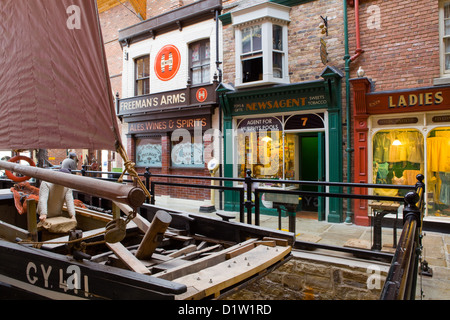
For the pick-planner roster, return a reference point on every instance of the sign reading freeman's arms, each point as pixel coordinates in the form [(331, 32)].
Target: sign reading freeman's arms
[(164, 100)]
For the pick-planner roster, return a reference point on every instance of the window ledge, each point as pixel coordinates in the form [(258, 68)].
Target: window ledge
[(259, 83), (441, 81)]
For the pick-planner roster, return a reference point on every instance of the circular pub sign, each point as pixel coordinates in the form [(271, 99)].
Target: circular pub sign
[(167, 62), (201, 94)]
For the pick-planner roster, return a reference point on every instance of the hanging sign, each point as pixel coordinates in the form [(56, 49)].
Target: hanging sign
[(323, 51)]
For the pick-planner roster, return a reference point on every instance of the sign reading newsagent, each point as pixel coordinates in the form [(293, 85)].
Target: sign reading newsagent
[(280, 103)]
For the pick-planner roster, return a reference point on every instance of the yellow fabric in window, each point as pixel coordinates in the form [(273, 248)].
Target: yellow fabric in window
[(438, 154)]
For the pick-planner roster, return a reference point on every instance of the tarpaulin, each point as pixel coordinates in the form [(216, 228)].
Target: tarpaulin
[(55, 91)]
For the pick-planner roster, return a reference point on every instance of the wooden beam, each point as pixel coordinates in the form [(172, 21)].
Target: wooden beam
[(140, 6), (154, 235), (105, 5), (128, 258)]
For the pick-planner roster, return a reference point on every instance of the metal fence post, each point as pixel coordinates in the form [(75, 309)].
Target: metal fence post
[(248, 203), (147, 176)]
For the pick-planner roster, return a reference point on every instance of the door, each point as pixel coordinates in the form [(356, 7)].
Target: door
[(311, 168)]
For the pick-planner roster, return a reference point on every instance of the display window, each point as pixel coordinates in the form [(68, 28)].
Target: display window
[(277, 148), (186, 152), (148, 152), (398, 157), (438, 172)]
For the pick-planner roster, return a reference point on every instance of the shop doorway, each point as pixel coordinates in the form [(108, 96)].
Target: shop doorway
[(310, 167)]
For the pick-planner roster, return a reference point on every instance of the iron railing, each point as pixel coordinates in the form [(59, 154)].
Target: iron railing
[(401, 280)]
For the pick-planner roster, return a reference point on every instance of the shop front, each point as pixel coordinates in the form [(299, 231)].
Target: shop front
[(172, 141), (398, 135), (287, 132)]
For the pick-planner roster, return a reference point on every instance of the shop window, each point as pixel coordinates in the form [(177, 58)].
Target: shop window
[(200, 62), (438, 172), (398, 157), (260, 148), (187, 152), (142, 75), (148, 152)]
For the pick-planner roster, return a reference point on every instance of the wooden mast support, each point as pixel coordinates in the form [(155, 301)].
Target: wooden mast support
[(127, 194), (154, 235)]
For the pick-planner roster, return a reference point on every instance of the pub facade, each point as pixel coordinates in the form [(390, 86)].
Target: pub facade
[(169, 104)]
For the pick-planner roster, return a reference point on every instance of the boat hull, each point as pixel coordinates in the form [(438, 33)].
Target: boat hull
[(55, 276)]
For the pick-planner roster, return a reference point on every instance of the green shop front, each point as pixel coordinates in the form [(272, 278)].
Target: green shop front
[(286, 132)]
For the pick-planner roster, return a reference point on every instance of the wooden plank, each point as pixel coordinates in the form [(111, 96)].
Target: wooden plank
[(154, 235), (240, 250), (202, 263), (11, 232), (278, 241), (212, 280), (32, 219), (183, 251), (128, 258), (269, 243), (142, 224)]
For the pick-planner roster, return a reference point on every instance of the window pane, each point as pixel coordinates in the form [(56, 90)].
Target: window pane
[(257, 40), (195, 52), (438, 181), (447, 11), (196, 75), (187, 153), (447, 27), (206, 55), (148, 152), (260, 152), (246, 40), (252, 70), (205, 74), (277, 37), (278, 65), (397, 159), (142, 67), (142, 87)]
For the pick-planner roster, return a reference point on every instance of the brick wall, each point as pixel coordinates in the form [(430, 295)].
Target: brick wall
[(303, 40), (404, 51)]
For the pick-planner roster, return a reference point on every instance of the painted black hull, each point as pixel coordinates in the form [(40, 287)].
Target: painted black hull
[(34, 273)]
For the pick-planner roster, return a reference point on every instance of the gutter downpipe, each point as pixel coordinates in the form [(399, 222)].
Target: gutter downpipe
[(348, 59), (218, 63), (348, 150)]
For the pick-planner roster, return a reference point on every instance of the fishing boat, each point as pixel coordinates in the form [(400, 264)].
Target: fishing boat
[(55, 93)]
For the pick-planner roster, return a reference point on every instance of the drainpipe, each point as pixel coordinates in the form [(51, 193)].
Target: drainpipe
[(348, 59), (349, 150), (218, 63), (358, 50)]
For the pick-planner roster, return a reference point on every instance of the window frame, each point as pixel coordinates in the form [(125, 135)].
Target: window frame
[(142, 79), (193, 144), (204, 62), (140, 138), (267, 15)]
